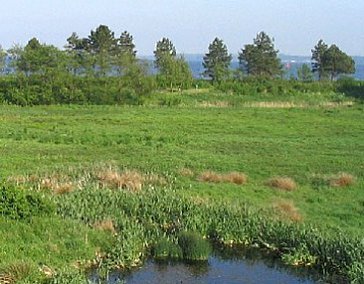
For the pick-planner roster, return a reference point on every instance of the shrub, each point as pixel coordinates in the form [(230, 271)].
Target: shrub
[(17, 204)]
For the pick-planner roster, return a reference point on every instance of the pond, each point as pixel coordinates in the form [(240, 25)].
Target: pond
[(251, 266)]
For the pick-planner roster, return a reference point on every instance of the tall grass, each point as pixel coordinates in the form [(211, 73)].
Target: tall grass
[(143, 219)]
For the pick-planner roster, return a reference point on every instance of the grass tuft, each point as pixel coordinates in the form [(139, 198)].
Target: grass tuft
[(287, 210), (130, 180), (284, 183), (341, 180), (210, 176), (235, 177), (105, 225)]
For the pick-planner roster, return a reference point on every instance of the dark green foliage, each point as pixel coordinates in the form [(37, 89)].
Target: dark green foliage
[(165, 249), (164, 49), (350, 87), (98, 70), (66, 89), (193, 246), (336, 62), (260, 58), (260, 86), (126, 45), (19, 205), (317, 59), (217, 61), (330, 62)]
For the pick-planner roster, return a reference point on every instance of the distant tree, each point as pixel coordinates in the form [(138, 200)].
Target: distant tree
[(330, 62), (79, 60), (317, 58), (175, 73), (336, 62), (126, 44), (102, 45), (260, 58), (304, 73), (217, 61), (37, 58), (2, 59), (125, 53), (163, 51)]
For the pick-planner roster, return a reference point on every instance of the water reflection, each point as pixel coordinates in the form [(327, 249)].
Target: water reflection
[(224, 266)]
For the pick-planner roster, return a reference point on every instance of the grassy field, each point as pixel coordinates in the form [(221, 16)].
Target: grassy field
[(192, 145)]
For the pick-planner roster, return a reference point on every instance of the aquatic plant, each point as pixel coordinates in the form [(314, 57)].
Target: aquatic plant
[(193, 246)]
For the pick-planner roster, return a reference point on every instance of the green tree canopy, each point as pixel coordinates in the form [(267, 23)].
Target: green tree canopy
[(164, 50), (126, 53), (102, 45), (126, 44), (175, 74), (317, 58), (37, 58), (260, 58), (336, 62), (217, 61), (330, 62)]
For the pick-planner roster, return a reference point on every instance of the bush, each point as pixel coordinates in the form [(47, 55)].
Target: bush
[(16, 204)]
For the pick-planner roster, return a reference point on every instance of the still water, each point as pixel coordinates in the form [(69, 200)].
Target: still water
[(250, 268)]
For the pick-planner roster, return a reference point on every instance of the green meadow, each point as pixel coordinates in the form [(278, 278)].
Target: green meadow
[(186, 147)]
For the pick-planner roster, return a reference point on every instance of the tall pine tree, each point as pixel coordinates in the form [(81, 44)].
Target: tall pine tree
[(260, 58), (217, 61)]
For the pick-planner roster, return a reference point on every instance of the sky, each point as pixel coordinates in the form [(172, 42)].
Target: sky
[(295, 25)]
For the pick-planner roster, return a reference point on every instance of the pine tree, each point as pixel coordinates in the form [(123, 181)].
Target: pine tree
[(217, 61), (164, 48), (126, 44), (317, 57), (336, 62), (102, 45), (260, 58)]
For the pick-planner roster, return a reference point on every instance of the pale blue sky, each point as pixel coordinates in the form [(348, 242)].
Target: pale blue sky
[(296, 25)]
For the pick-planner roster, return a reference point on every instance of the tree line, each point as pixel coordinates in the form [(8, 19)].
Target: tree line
[(104, 68)]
